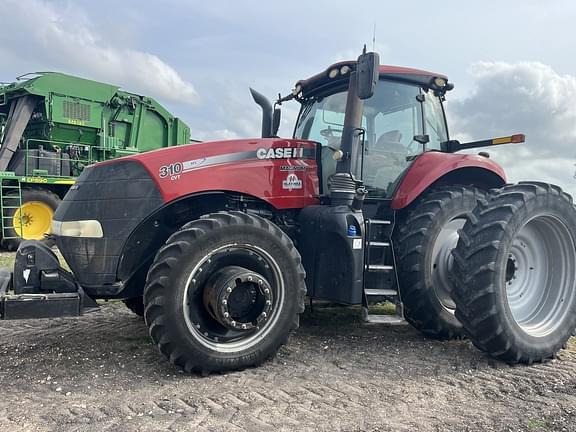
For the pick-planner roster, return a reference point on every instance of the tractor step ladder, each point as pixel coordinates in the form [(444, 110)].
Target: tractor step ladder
[(379, 266), (10, 200)]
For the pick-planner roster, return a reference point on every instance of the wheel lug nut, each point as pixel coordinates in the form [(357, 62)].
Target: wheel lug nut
[(224, 302), (226, 314), (233, 323), (229, 289), (263, 314), (244, 326)]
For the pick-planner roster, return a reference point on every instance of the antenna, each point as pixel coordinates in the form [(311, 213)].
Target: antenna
[(374, 38)]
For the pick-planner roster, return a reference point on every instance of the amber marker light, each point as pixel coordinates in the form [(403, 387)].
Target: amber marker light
[(514, 139)]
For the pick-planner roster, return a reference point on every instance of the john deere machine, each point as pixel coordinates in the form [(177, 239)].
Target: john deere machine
[(217, 244), (52, 126)]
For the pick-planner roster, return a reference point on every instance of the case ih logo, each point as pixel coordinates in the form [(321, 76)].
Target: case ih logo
[(280, 153), (292, 182)]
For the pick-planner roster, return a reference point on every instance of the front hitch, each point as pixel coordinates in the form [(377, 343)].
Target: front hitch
[(40, 287)]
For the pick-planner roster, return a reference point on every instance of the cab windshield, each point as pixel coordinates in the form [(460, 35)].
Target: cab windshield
[(393, 119)]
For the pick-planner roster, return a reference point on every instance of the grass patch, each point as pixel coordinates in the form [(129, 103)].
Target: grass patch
[(324, 312), (536, 424), (7, 259)]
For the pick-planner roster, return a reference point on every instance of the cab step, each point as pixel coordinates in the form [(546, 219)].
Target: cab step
[(379, 268), (383, 319), (379, 263), (380, 292)]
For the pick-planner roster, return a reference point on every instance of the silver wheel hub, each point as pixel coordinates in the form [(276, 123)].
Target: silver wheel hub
[(442, 262), (540, 275)]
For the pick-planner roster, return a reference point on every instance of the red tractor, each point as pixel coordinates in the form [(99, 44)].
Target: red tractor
[(217, 244)]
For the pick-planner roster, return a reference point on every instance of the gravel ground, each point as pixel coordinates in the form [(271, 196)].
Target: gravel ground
[(100, 372)]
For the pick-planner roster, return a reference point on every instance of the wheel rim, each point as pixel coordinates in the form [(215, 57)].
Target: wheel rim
[(233, 279), (540, 275), (32, 220), (442, 260)]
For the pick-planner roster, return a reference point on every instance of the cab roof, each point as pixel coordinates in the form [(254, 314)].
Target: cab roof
[(337, 75)]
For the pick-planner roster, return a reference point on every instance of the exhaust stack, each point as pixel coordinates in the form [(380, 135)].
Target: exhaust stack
[(266, 106)]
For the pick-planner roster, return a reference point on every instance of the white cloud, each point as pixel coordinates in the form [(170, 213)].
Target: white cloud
[(62, 37), (523, 97)]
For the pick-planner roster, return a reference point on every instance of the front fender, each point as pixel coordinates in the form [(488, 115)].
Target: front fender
[(432, 167)]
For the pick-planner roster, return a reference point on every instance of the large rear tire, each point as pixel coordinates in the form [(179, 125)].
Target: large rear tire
[(32, 220), (224, 293), (515, 264), (424, 241)]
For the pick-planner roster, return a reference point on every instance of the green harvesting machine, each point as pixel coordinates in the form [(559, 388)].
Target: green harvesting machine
[(53, 125)]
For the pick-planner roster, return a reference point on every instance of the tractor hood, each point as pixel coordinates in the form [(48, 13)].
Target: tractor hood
[(256, 167)]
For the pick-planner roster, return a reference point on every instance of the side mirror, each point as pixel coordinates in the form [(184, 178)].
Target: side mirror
[(276, 121), (367, 74)]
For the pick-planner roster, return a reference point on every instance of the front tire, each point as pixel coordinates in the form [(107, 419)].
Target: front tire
[(224, 293), (516, 266), (136, 305), (424, 241)]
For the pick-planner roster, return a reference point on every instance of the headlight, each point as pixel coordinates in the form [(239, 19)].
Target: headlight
[(440, 82), (85, 228)]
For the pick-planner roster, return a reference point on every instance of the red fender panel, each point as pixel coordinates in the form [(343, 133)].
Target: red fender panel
[(431, 166)]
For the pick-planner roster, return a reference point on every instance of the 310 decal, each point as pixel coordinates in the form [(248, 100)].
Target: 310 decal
[(172, 170)]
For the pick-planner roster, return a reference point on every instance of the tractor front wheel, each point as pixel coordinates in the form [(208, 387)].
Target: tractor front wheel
[(31, 220), (136, 305), (224, 293), (516, 269), (424, 242)]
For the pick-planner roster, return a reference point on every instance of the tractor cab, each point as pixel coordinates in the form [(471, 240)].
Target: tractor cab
[(404, 118)]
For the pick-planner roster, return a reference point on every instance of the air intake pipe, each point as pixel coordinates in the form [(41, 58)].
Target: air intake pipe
[(266, 106)]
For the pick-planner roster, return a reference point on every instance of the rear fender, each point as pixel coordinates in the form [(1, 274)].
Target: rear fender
[(435, 168)]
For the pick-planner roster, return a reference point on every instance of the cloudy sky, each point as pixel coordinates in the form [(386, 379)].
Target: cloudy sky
[(512, 62)]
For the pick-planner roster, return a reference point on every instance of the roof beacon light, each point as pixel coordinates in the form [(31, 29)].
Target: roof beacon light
[(333, 73), (344, 69)]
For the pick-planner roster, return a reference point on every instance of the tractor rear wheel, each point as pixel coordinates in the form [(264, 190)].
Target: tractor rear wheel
[(32, 219), (516, 269), (424, 241), (224, 293)]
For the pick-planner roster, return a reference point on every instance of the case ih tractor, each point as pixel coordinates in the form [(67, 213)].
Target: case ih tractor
[(217, 244)]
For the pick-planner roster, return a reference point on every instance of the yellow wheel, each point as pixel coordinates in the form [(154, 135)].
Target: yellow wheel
[(32, 220)]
